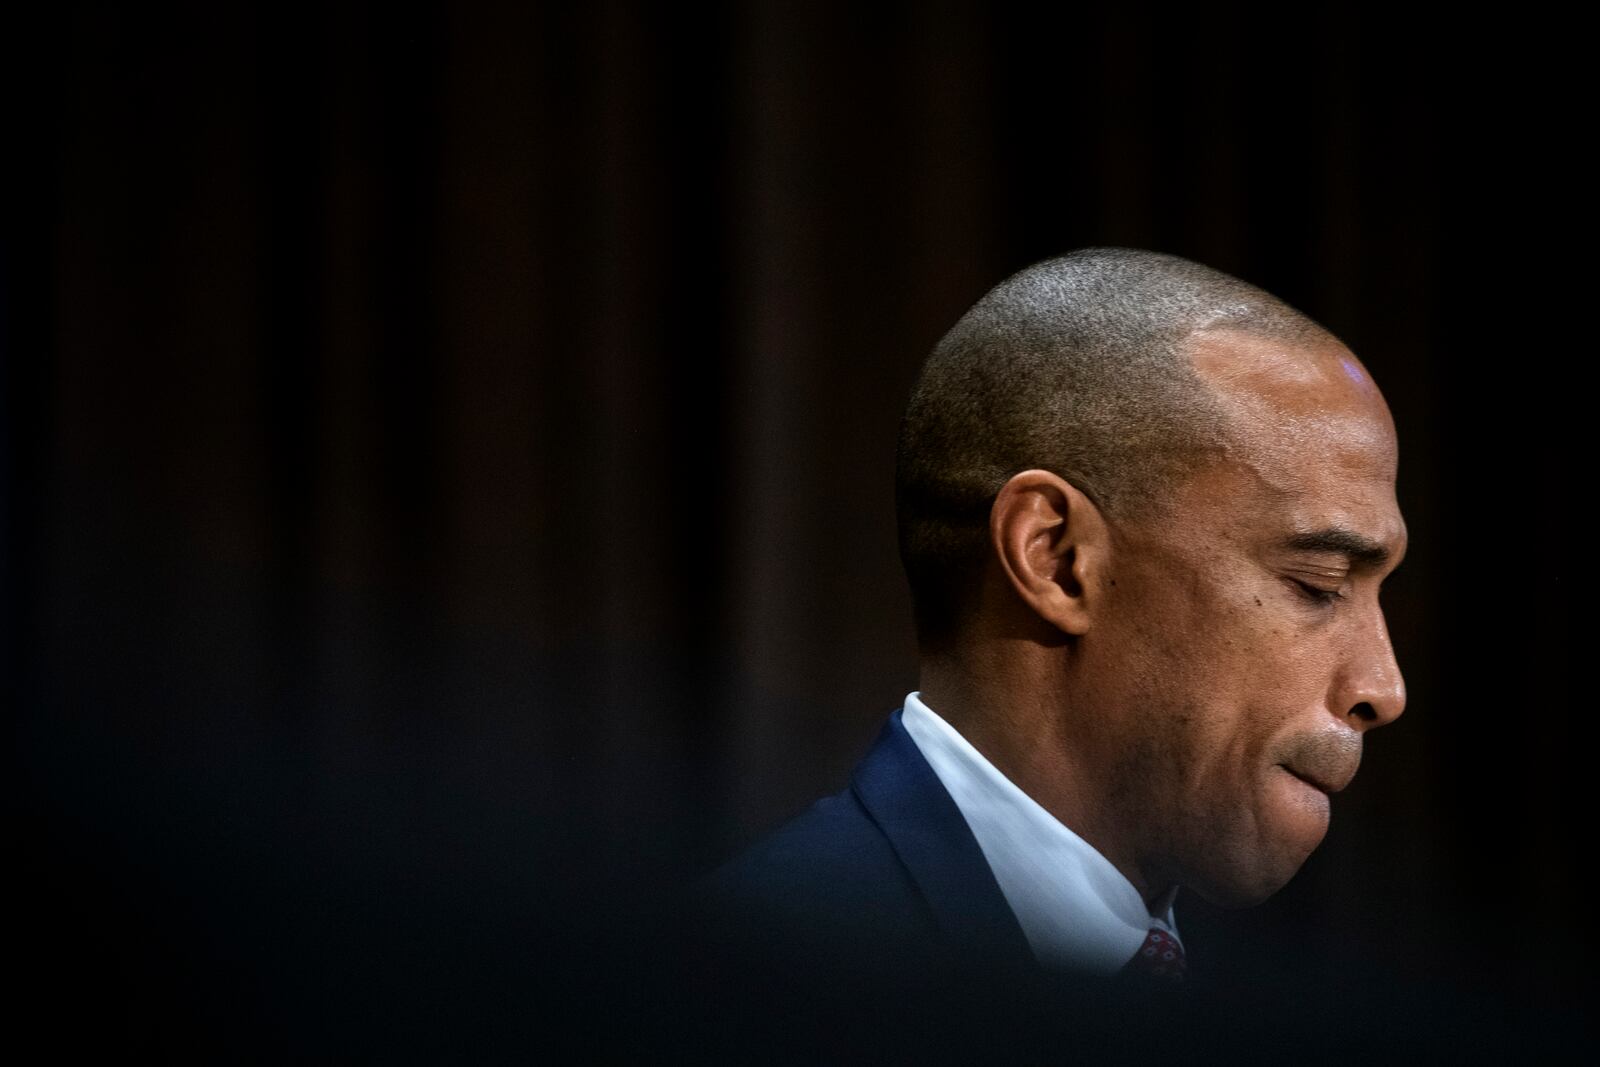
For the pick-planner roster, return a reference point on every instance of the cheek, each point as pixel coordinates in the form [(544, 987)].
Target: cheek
[(1226, 692), (1252, 655), (1203, 649), (1214, 669)]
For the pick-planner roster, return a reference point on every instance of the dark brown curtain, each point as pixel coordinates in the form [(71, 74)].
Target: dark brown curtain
[(449, 455)]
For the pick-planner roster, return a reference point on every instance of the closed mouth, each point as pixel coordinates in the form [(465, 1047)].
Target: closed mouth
[(1312, 782)]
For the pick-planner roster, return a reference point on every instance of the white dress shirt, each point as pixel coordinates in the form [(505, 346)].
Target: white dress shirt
[(1076, 909)]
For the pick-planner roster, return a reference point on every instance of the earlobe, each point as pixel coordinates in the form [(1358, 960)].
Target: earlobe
[(1050, 540)]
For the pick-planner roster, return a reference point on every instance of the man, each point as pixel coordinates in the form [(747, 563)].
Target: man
[(1145, 510)]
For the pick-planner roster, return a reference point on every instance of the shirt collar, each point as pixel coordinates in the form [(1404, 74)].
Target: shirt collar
[(1075, 908)]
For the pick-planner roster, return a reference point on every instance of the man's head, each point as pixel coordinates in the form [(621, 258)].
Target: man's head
[(1147, 507)]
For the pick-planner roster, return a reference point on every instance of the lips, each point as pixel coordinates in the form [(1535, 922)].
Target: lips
[(1315, 783), (1326, 760)]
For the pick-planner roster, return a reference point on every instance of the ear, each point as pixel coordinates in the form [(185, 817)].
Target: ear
[(1053, 544)]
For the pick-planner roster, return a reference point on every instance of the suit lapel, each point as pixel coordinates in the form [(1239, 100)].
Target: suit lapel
[(928, 832)]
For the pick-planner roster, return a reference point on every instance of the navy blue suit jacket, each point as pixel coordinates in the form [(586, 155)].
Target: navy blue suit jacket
[(883, 877), (873, 923)]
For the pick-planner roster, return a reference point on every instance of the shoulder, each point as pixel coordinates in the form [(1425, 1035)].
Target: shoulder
[(824, 891), (831, 857)]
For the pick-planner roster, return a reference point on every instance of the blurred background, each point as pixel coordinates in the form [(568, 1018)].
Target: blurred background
[(448, 461)]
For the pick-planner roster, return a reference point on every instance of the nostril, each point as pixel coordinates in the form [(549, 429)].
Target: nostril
[(1365, 712)]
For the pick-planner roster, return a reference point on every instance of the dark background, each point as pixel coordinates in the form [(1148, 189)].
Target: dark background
[(448, 455)]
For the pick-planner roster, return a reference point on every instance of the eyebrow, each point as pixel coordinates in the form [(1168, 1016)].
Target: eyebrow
[(1359, 548)]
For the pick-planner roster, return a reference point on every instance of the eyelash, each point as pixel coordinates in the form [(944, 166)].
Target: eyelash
[(1319, 596)]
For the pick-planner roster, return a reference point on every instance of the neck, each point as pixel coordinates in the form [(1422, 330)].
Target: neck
[(1021, 721)]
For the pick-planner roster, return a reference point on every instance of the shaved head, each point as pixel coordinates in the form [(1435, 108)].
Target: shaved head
[(1077, 365)]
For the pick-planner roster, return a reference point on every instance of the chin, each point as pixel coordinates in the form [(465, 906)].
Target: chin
[(1248, 874), (1240, 893)]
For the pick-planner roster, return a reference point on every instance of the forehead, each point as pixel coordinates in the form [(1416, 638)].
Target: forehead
[(1311, 444)]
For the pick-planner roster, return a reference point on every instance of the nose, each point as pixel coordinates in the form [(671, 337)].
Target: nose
[(1371, 691)]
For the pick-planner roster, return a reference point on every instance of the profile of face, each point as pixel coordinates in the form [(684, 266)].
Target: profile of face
[(1241, 643)]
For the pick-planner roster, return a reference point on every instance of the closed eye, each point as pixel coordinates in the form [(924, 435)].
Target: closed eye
[(1315, 594)]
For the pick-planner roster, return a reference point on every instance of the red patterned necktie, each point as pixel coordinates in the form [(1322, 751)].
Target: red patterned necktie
[(1159, 958)]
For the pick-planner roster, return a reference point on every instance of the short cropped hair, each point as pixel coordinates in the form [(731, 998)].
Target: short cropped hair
[(1076, 365)]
